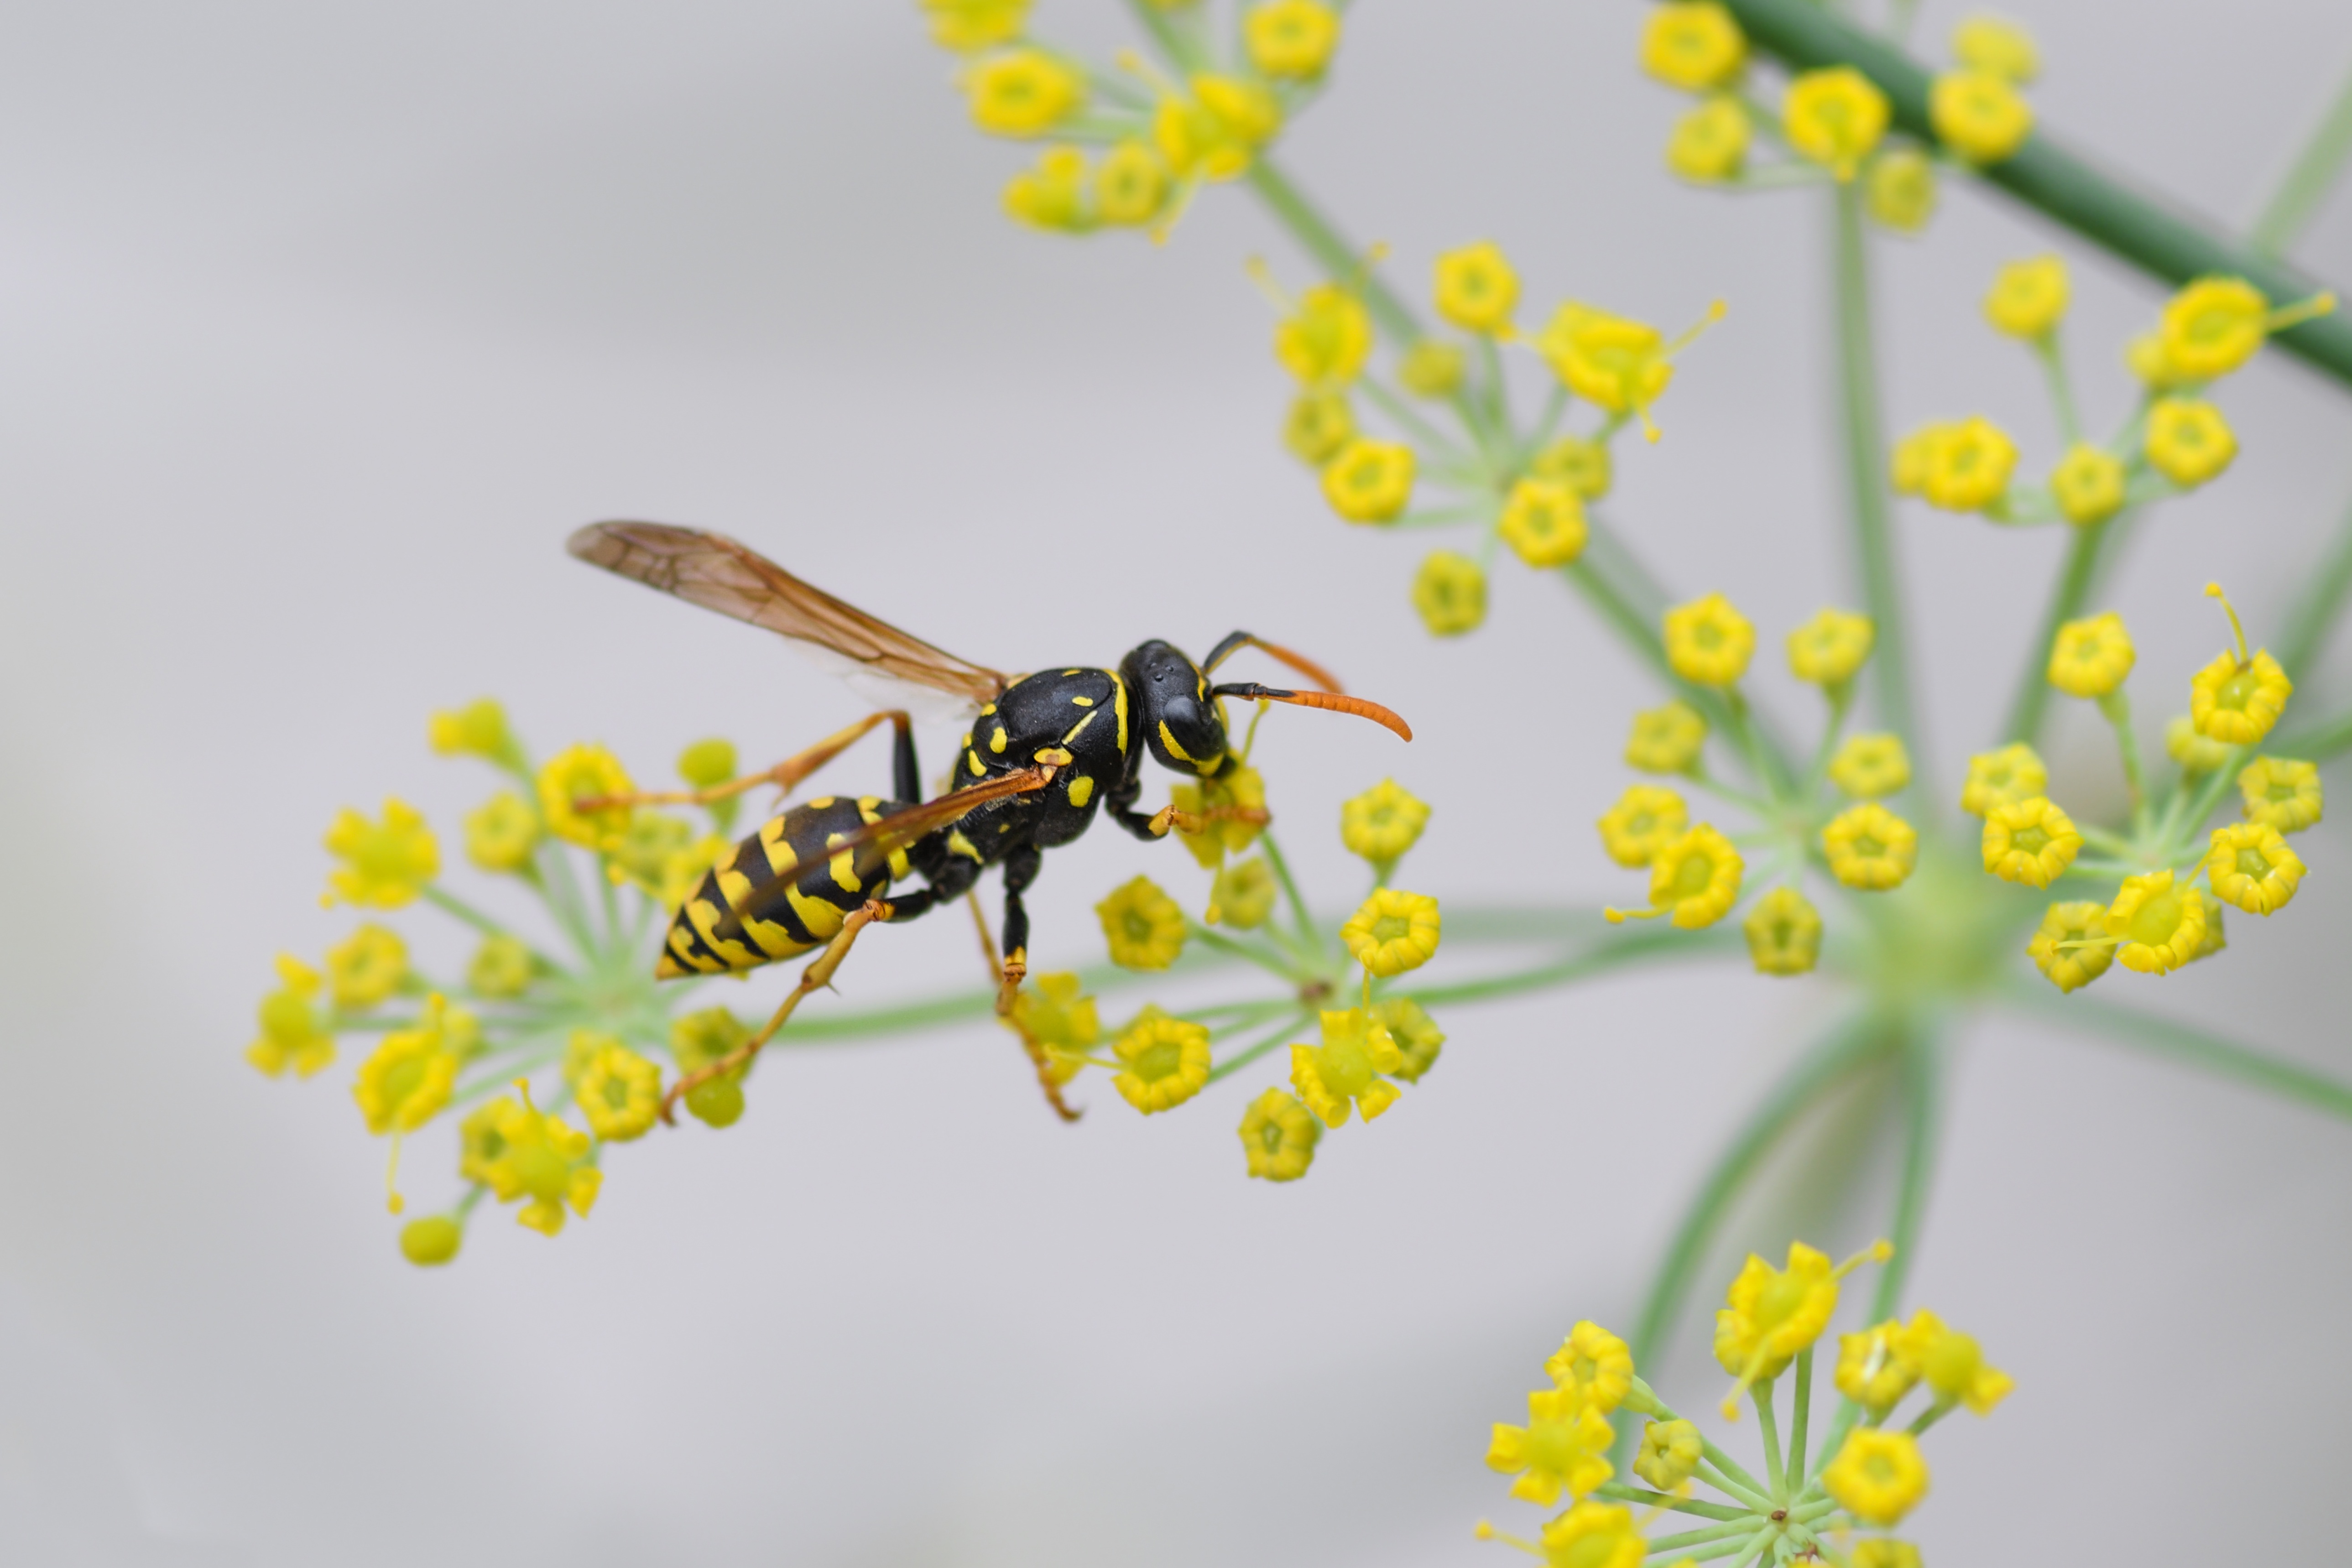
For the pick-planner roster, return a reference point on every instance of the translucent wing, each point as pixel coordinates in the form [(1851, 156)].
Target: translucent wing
[(900, 828), (883, 664)]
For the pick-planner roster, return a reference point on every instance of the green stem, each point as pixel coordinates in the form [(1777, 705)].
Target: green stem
[(1602, 957), (2209, 1053), (1330, 249), (1620, 1493), (1753, 1497), (1300, 917), (2318, 607), (1741, 1527), (2308, 180), (2061, 388), (2115, 706), (1799, 1417), (1839, 1053), (2030, 707), (1870, 508), (1769, 1424), (2152, 234), (1295, 1021)]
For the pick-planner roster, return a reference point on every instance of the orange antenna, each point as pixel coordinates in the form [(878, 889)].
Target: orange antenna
[(1329, 701)]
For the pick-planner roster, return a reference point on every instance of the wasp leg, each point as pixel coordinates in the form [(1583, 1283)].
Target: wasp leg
[(1198, 821), (786, 774), (815, 977), (1038, 1056), (1021, 868)]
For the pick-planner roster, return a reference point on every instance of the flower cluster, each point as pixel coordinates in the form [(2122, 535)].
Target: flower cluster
[(1802, 1503), (1362, 1053), (1448, 449), (1833, 123), (1833, 820), (2158, 919), (2173, 440), (1130, 147)]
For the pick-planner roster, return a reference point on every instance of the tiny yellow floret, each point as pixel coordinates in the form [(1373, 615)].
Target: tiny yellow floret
[(1835, 117), (384, 863), (2237, 699), (366, 967), (620, 1094), (966, 25), (1831, 647), (2216, 324), (1023, 92), (1871, 767), (1871, 1370), (1899, 187), (1644, 820), (1450, 593), (1543, 522), (1709, 143), (502, 968), (1318, 424), (1708, 642), (407, 1080), (1784, 933), (431, 1242), (1292, 40), (2067, 948), (584, 773), (1966, 466), (1051, 195), (2197, 754), (1695, 879), (1418, 1038), (1143, 925), (1670, 1454), (1980, 116), (291, 1035), (2088, 484), (1694, 45), (1392, 931), (2162, 926), (2029, 298), (1370, 481), (2013, 773), (1345, 1071), (2281, 794), (1594, 1535), (1870, 849), (1952, 1364), (1884, 1552), (1666, 740), (1215, 132), (1594, 1364), (1325, 338), (1131, 184), (476, 730), (1579, 461), (1996, 46), (2030, 842), (1242, 895), (2251, 865), (1563, 1446), (1878, 1476), (1476, 288), (1383, 823), (1770, 1314), (1278, 1136), (2187, 440), (1165, 1062), (1433, 368), (1619, 364), (2090, 658)]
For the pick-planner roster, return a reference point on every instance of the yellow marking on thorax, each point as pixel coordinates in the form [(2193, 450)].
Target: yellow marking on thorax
[(865, 812), (958, 845), (1118, 706), (1077, 729), (822, 801), (1084, 701), (1053, 757), (996, 742), (978, 767), (1174, 750), (1074, 672), (843, 865), (987, 711), (1082, 790)]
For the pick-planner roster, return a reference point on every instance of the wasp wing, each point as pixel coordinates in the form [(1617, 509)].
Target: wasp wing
[(882, 663), (900, 828)]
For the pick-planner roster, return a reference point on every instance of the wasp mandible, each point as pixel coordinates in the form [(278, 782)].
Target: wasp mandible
[(1041, 752)]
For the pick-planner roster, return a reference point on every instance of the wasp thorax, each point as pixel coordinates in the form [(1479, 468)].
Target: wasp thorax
[(1182, 722)]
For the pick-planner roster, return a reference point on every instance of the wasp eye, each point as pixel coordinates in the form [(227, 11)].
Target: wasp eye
[(1180, 713)]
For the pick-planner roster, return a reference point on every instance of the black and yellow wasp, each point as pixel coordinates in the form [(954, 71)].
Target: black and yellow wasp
[(1042, 752)]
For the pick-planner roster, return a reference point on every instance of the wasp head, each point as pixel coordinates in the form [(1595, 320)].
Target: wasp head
[(1182, 723)]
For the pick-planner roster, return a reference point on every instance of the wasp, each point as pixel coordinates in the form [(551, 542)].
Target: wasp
[(1042, 754)]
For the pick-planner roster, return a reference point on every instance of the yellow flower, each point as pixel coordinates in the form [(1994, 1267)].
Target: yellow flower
[(1828, 649), (2215, 938), (1709, 143), (644, 849), (1450, 592), (1476, 288), (1644, 820), (1666, 740), (1870, 848), (1318, 424), (1670, 1454), (1024, 93), (431, 1242), (1581, 463), (1979, 115), (2216, 324), (1952, 1364), (383, 863), (1878, 1476), (367, 967), (2013, 773), (1345, 1069), (1242, 789), (1165, 1062), (1835, 117), (1594, 1365), (1997, 47), (1368, 481), (1872, 1369), (291, 1035), (1278, 1137), (1899, 186), (620, 1094), (2030, 842), (2027, 298), (1616, 364), (1433, 368), (1967, 467), (501, 835), (1142, 924), (1565, 1443), (1784, 933), (2250, 866), (2187, 440), (2163, 927), (584, 773), (1130, 185), (1291, 38), (1908, 472), (1418, 1038), (1543, 522), (965, 26), (2237, 703), (1884, 1552), (1771, 1313), (1325, 339), (1051, 195), (2053, 950), (2091, 657), (1708, 642), (1383, 823), (407, 1080), (1391, 931), (1695, 879), (1693, 45), (520, 1154), (1241, 896), (1054, 1011), (1215, 133), (502, 968), (2281, 794), (705, 1038), (1594, 1535), (2088, 484), (476, 730), (1868, 767), (2196, 754)]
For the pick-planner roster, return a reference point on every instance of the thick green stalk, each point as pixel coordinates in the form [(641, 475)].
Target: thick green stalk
[(2151, 234), (2318, 606), (1331, 251), (1617, 953), (1922, 1073), (2030, 707), (1870, 507), (1799, 1419), (2308, 180), (2183, 1042)]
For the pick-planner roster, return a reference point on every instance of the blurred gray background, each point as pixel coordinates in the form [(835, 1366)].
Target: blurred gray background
[(323, 325)]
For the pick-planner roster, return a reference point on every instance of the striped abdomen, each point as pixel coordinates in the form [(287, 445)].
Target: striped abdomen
[(783, 890)]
